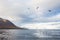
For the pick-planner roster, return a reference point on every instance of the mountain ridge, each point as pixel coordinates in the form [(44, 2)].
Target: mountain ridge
[(6, 24)]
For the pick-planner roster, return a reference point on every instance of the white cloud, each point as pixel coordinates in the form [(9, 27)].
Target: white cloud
[(44, 6), (9, 9), (56, 17), (50, 25), (12, 7)]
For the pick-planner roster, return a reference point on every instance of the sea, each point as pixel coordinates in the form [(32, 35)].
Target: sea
[(29, 34)]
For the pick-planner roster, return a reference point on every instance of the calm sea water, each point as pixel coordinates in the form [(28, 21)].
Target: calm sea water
[(31, 34)]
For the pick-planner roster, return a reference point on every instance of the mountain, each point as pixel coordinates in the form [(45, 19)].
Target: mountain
[(6, 24)]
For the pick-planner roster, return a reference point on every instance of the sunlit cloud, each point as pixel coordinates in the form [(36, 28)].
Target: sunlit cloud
[(49, 25)]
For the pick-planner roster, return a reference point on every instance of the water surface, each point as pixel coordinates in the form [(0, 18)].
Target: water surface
[(30, 34)]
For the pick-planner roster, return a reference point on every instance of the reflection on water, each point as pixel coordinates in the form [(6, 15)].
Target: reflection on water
[(31, 34)]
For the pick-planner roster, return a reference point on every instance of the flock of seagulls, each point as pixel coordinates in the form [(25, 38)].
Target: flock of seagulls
[(38, 8)]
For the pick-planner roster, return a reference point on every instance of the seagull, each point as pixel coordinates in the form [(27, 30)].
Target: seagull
[(37, 7), (49, 10)]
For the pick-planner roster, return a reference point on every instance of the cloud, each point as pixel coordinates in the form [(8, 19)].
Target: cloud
[(49, 25), (55, 18), (30, 11), (41, 14), (9, 9)]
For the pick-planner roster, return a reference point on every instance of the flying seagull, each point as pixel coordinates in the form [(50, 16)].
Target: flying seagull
[(49, 10), (37, 7)]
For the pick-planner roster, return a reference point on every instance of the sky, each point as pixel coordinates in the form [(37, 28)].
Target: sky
[(32, 14)]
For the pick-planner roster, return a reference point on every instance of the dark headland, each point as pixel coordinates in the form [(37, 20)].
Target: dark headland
[(6, 24)]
